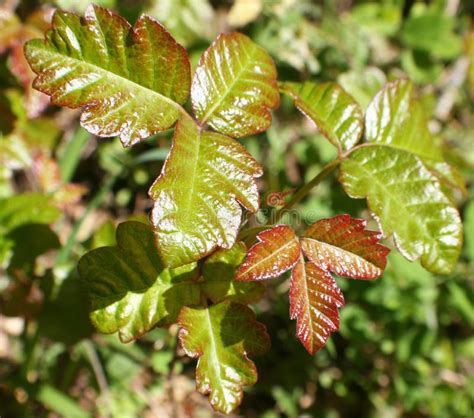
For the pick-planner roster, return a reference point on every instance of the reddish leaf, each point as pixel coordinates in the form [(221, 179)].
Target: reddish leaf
[(314, 302), (277, 251), (342, 245), (130, 81)]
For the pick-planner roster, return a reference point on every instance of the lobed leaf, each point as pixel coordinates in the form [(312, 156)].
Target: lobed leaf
[(343, 246), (129, 289), (222, 337), (408, 202), (197, 195), (277, 251), (340, 245), (234, 87), (408, 185), (335, 113), (314, 302), (218, 273), (130, 81)]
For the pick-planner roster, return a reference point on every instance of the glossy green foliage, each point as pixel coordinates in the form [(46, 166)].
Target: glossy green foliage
[(234, 87), (130, 290), (197, 196), (129, 80), (222, 337), (397, 173), (336, 114)]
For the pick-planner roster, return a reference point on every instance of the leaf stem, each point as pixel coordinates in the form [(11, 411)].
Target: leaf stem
[(99, 375), (305, 189)]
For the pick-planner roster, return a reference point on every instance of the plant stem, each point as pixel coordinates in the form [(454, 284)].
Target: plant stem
[(66, 250), (99, 374), (303, 191)]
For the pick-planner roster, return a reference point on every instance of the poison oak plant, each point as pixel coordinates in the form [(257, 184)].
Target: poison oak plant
[(190, 267)]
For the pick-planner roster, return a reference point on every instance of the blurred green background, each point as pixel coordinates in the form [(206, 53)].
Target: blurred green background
[(405, 347)]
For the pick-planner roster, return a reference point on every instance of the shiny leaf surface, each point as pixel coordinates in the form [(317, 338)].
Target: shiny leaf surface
[(218, 274), (343, 246), (395, 117), (314, 302), (277, 251), (197, 195), (408, 202), (336, 114), (406, 181), (222, 337), (234, 87), (130, 291), (129, 80)]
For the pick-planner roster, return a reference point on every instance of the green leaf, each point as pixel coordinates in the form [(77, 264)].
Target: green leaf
[(336, 114), (197, 195), (129, 289), (395, 117), (187, 20), (218, 275), (129, 80), (222, 336), (402, 174), (26, 208), (408, 202), (235, 86), (432, 31)]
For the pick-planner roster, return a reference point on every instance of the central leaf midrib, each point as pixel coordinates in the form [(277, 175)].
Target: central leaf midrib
[(253, 266), (111, 74), (341, 249), (216, 105), (213, 346), (393, 198)]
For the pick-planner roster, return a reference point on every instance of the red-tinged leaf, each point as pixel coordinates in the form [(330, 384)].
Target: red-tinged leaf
[(342, 245), (130, 81), (222, 337), (197, 195), (314, 302), (35, 101), (234, 87), (277, 251), (48, 177)]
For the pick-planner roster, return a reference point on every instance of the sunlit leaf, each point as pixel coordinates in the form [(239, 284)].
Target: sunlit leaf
[(343, 246), (222, 337), (130, 291), (336, 114), (26, 208), (339, 245), (234, 87), (129, 80), (403, 176), (218, 274), (277, 251), (197, 195), (314, 302)]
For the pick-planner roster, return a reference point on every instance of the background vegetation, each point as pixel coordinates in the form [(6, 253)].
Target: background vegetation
[(405, 348)]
